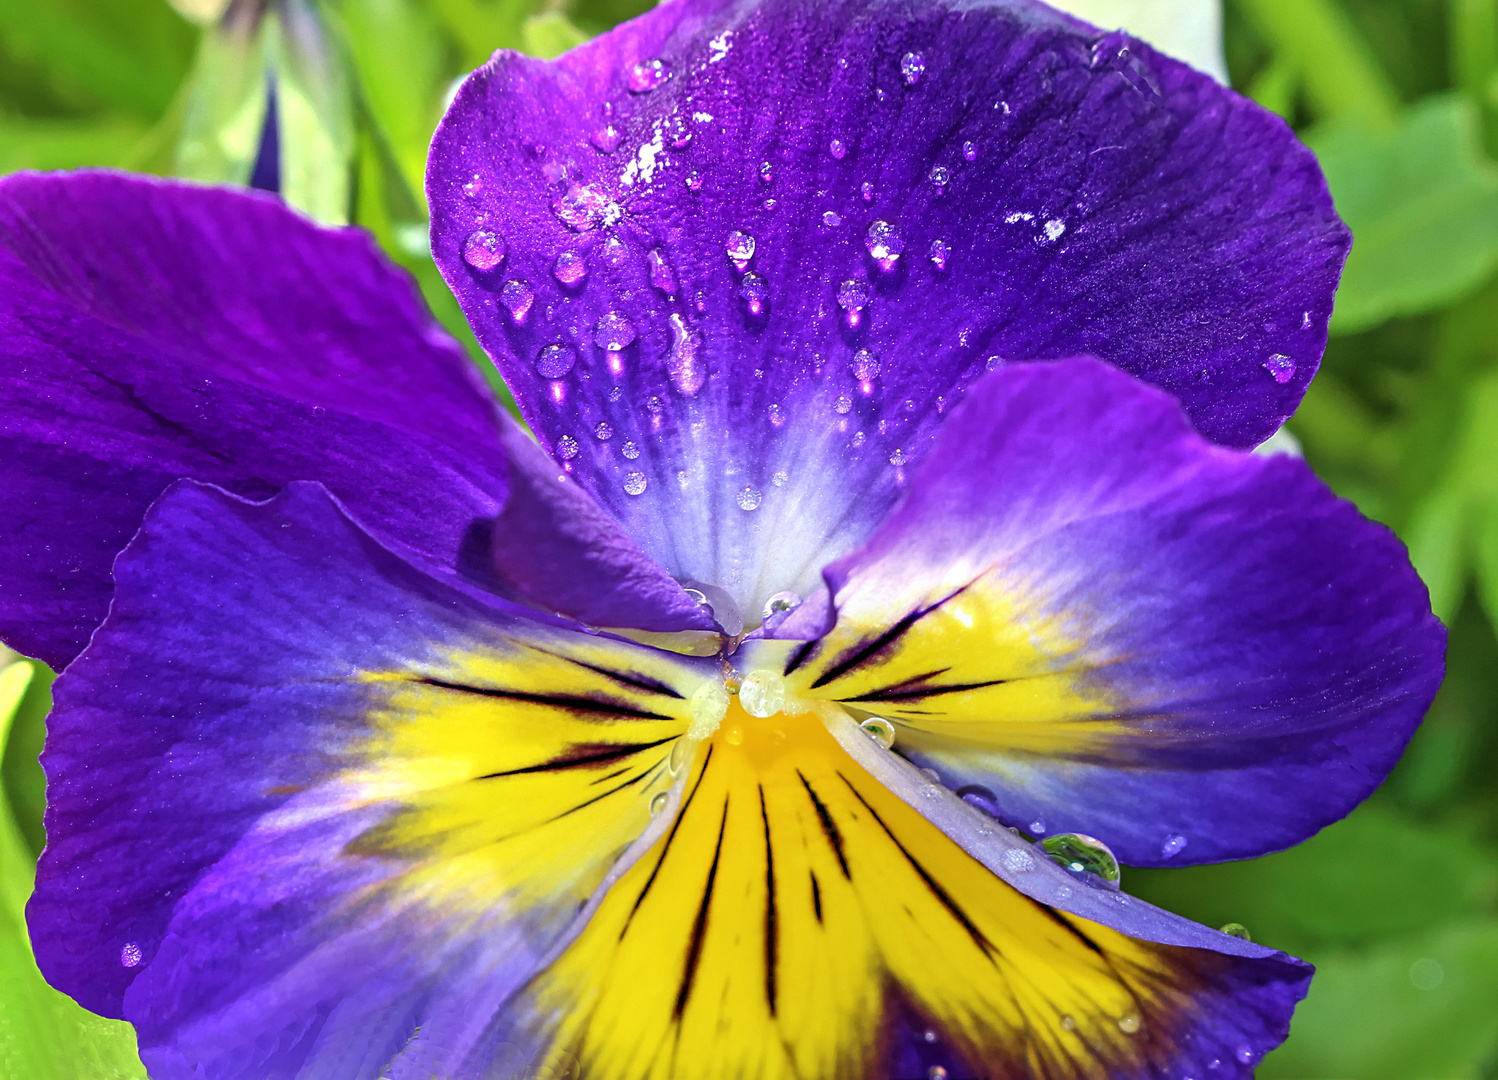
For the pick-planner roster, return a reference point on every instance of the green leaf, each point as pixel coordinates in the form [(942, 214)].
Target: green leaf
[(315, 111), (1340, 75), (27, 143), (1376, 873), (481, 26), (226, 104), (550, 34), (1422, 203), (43, 1033), (1423, 1008)]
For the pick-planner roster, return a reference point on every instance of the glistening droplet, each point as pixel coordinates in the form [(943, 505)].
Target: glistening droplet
[(570, 267), (517, 297), (554, 361), (1082, 854), (635, 483), (614, 331), (646, 75), (912, 67), (880, 730), (484, 249), (762, 693), (1237, 930), (749, 498), (657, 804)]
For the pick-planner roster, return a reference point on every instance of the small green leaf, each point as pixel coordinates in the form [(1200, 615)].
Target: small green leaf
[(43, 1033), (226, 104), (315, 110), (1422, 203)]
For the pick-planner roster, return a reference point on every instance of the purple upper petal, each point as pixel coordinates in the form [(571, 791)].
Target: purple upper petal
[(151, 331), (1048, 190), (1114, 627)]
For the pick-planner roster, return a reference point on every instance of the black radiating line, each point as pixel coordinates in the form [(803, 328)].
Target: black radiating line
[(800, 656), (816, 896), (681, 815), (896, 694), (882, 642), (611, 791), (772, 930), (639, 682), (699, 927), (556, 701), (947, 902), (829, 827), (611, 754)]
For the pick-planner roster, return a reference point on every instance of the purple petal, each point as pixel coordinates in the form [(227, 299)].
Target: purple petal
[(685, 261), (304, 799), (153, 331), (1110, 626)]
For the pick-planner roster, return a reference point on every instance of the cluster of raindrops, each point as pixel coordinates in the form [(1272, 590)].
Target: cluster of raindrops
[(484, 250)]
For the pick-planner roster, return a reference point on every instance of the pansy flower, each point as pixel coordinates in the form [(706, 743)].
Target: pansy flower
[(893, 368)]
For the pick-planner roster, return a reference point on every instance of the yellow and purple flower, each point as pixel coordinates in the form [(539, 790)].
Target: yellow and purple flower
[(894, 368)]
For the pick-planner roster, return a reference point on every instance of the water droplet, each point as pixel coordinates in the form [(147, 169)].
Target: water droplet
[(978, 796), (566, 448), (1081, 854), (884, 243), (837, 149), (604, 431), (1174, 844), (941, 251), (1129, 1024), (867, 190), (1281, 367), (615, 252), (635, 483), (630, 450), (554, 361), (682, 753), (853, 295), (939, 177), (858, 439), (1054, 228), (865, 366), (1236, 929), (484, 249), (680, 130), (1037, 827), (1427, 974), (657, 804), (585, 207), (762, 693), (1068, 1023), (749, 498), (614, 331), (570, 268), (754, 291), (777, 415), (912, 67), (655, 405), (842, 404), (781, 603), (898, 457), (739, 247), (646, 75), (1245, 1054), (928, 1035), (474, 187), (1017, 861), (936, 1072), (969, 151), (686, 364), (766, 172), (517, 296), (780, 479), (616, 394), (661, 275), (993, 363), (694, 180), (606, 138), (880, 730), (130, 955), (1063, 892)]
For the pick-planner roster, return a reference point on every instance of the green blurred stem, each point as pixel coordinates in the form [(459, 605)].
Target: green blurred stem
[(1341, 76), (1473, 26)]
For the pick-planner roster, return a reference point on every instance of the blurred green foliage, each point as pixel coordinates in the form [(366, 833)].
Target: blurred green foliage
[(1397, 905)]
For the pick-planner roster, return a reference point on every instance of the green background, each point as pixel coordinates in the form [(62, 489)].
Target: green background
[(1398, 904)]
